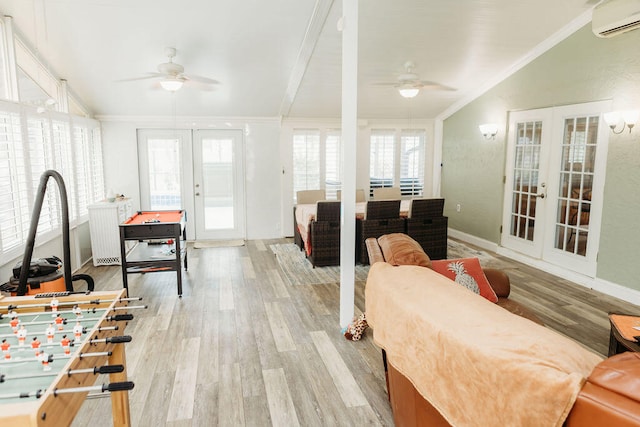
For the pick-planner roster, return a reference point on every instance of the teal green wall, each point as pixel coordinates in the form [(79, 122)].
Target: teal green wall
[(582, 68)]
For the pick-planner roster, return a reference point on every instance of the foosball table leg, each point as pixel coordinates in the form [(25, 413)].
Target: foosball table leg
[(119, 400)]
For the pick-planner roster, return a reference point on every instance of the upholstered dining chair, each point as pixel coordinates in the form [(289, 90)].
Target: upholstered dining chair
[(359, 195), (306, 197), (387, 193)]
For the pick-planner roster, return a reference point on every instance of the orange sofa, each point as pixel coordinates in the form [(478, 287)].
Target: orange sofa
[(606, 392)]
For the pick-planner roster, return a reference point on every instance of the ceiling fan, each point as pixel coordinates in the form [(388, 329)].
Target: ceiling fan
[(172, 77), (409, 83)]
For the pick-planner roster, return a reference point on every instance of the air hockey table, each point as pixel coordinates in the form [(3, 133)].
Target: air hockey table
[(161, 244)]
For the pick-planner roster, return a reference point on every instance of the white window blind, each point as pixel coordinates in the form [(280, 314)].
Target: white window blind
[(14, 210), (30, 144), (82, 166), (411, 162), (96, 166), (40, 155), (333, 164), (306, 160), (381, 159), (64, 164)]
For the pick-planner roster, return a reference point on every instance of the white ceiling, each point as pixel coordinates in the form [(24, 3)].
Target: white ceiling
[(252, 48)]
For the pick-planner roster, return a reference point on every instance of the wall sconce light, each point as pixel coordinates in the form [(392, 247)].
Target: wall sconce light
[(628, 119), (489, 130)]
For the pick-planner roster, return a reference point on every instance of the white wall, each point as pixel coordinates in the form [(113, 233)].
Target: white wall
[(262, 165)]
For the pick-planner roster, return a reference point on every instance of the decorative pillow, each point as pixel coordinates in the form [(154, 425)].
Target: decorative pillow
[(468, 273), (400, 249)]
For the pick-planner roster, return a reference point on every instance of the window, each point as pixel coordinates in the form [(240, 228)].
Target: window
[(397, 165), (411, 162), (164, 176), (333, 164), (317, 161), (306, 161), (25, 153), (14, 211)]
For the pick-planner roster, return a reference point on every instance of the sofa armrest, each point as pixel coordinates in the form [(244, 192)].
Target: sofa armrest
[(499, 281), (611, 395), (373, 250)]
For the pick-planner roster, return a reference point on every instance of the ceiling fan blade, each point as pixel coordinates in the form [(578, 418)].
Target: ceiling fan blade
[(434, 86), (197, 85), (385, 84), (201, 79), (148, 76)]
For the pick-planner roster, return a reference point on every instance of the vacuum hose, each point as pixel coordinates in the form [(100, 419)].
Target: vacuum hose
[(35, 217)]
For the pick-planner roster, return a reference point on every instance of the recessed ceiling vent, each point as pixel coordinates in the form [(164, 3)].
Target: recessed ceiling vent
[(614, 17)]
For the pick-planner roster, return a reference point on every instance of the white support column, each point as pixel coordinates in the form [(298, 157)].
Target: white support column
[(349, 142)]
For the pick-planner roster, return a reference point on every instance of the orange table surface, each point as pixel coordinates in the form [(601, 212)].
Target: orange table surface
[(162, 216)]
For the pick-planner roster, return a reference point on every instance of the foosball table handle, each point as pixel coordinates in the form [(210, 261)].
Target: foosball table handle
[(121, 386)]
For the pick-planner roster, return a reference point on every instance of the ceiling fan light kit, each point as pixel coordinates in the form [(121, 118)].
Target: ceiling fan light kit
[(171, 84), (408, 91)]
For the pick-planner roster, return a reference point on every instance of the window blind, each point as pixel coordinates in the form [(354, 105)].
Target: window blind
[(411, 162), (306, 161)]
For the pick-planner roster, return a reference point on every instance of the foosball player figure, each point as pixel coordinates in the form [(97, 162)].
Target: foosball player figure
[(65, 343), (35, 345), (59, 321), (77, 332), (77, 311), (54, 305), (50, 331), (5, 349), (44, 358), (22, 335), (14, 324)]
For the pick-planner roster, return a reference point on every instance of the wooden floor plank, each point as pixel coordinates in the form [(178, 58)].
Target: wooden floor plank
[(281, 334), (184, 386), (281, 408), (230, 402), (347, 386)]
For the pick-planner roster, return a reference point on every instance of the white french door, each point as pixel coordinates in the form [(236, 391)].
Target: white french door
[(555, 169), (218, 177)]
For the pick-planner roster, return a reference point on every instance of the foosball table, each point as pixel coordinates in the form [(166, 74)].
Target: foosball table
[(53, 348)]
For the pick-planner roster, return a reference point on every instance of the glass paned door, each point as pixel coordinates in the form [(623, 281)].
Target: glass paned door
[(219, 184), (556, 163), (576, 184), (161, 162), (525, 190)]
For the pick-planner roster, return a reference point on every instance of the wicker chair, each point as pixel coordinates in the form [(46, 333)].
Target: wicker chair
[(305, 197), (427, 225), (381, 217), (324, 235)]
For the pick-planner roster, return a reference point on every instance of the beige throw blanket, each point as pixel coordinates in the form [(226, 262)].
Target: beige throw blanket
[(477, 363)]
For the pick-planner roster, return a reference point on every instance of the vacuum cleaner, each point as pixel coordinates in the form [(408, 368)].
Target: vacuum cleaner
[(44, 276)]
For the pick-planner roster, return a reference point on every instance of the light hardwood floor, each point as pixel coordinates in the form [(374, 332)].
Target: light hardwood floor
[(244, 347)]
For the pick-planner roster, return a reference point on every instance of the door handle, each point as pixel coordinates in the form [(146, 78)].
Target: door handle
[(541, 195), (197, 194)]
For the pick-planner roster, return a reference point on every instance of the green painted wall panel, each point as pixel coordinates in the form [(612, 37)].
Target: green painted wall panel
[(582, 68)]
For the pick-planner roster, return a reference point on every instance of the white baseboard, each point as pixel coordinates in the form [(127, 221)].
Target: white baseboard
[(597, 284)]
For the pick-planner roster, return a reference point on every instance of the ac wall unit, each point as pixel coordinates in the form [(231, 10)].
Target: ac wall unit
[(614, 17)]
